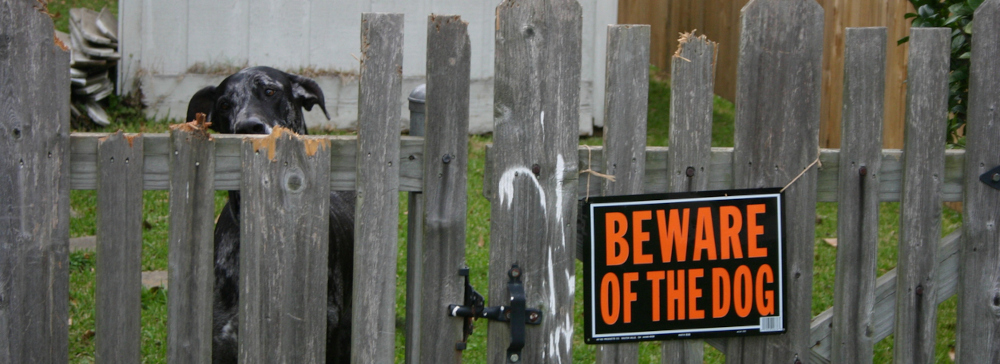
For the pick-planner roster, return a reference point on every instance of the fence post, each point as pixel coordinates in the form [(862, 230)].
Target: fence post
[(444, 194), (920, 205), (979, 297), (532, 182), (857, 196), (777, 137), (625, 106), (119, 246), (690, 154), (191, 242), (373, 326), (34, 188), (284, 233)]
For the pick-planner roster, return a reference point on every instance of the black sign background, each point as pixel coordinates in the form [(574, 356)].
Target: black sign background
[(643, 327)]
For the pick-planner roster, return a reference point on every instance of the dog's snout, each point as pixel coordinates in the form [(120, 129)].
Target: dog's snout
[(252, 126)]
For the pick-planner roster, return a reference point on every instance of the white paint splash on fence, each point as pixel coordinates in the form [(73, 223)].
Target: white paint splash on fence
[(543, 120), (506, 186), (562, 335)]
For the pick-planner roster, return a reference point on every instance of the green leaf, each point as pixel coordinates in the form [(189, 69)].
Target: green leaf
[(968, 28), (957, 43), (952, 20), (925, 11), (966, 55), (974, 4), (910, 15), (903, 40), (960, 9)]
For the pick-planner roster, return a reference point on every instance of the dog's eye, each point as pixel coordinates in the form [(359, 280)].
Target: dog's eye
[(269, 92), (225, 106)]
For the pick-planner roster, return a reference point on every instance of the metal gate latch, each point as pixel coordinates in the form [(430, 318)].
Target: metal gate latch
[(991, 178), (516, 314)]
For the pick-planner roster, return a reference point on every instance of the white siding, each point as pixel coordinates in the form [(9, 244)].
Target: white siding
[(176, 35)]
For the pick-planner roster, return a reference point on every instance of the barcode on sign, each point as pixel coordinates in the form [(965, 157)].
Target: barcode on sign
[(770, 324)]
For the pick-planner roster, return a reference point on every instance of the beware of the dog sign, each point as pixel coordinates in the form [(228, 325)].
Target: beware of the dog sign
[(684, 265)]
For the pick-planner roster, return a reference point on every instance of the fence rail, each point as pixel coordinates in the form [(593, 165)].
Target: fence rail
[(531, 176)]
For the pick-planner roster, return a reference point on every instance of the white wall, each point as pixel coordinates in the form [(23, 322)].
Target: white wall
[(163, 39)]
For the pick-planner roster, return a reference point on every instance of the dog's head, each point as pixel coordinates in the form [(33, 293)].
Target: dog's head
[(257, 99)]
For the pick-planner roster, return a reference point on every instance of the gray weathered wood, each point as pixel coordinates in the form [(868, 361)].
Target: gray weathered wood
[(692, 82), (445, 177), (777, 136), (343, 166), (34, 188), (191, 241), (858, 188), (625, 103), (374, 303), (284, 240), (920, 208), (979, 304), (228, 170), (119, 249), (531, 189), (884, 309)]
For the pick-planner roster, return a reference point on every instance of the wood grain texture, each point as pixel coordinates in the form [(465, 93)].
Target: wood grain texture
[(34, 188), (191, 246), (625, 107), (374, 302), (777, 126), (444, 192), (858, 202), (228, 170), (343, 166), (692, 81), (920, 208), (284, 241), (531, 187), (884, 310), (117, 293), (979, 302)]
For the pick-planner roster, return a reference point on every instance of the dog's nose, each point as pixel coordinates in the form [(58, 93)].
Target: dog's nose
[(252, 125)]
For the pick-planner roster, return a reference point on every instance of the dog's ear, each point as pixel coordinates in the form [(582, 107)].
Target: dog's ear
[(202, 102), (307, 93)]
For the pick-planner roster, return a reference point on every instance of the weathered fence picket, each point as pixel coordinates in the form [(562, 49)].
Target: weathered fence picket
[(858, 203), (776, 139), (34, 188), (119, 248), (284, 241), (531, 180), (625, 105), (532, 172), (920, 216), (691, 97), (979, 285), (375, 249), (191, 244), (446, 151)]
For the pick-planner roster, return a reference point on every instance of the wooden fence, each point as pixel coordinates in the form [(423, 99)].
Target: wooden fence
[(720, 20), (532, 182)]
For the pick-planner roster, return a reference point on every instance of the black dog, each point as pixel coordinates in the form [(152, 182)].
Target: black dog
[(253, 101)]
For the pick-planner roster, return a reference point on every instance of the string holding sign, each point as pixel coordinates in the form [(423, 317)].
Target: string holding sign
[(591, 172), (815, 162)]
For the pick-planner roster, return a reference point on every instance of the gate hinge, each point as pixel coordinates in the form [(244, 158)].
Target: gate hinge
[(991, 178), (516, 314)]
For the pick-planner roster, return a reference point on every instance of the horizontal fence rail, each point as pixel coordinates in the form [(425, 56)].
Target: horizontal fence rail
[(343, 166)]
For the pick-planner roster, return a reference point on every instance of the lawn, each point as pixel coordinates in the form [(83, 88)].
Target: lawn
[(154, 256)]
